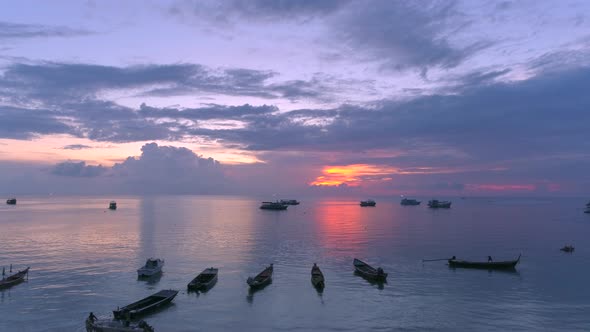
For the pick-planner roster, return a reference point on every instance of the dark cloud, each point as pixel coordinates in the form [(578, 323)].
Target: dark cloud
[(10, 30), (76, 147), (23, 123), (78, 169)]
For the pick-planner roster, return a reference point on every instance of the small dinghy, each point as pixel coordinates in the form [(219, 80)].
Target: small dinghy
[(152, 267), (489, 265), (113, 205), (145, 305), (107, 325), (317, 277), (262, 279), (11, 201), (369, 272), (204, 281), (14, 279)]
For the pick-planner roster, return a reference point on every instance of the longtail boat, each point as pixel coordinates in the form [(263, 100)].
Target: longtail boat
[(317, 277), (369, 272), (14, 279), (490, 265), (262, 279), (145, 305), (204, 281), (108, 325)]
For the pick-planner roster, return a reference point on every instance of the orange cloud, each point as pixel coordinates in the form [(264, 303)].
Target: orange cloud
[(353, 175)]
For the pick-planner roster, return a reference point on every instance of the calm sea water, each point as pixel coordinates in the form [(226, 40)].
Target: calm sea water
[(84, 257)]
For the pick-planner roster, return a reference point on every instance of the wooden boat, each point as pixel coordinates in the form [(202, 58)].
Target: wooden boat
[(204, 281), (109, 325), (113, 205), (11, 201), (436, 204), (409, 201), (317, 277), (145, 305), (569, 248), (14, 279), (368, 202), (273, 206), (490, 265), (369, 272), (152, 267), (262, 279)]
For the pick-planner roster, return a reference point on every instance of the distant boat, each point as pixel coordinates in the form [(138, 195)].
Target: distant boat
[(289, 201), (408, 201), (273, 206), (204, 281), (14, 279), (11, 201), (369, 272), (146, 305), (317, 277), (113, 205), (569, 248), (152, 267), (109, 325), (490, 265), (368, 202), (587, 208), (262, 279), (436, 204)]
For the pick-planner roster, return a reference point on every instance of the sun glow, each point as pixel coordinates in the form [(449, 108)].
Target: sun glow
[(353, 175)]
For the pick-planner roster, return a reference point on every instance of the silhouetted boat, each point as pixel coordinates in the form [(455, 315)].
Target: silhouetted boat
[(11, 201), (152, 267), (109, 325), (204, 281), (262, 279), (368, 202), (489, 265), (317, 277), (14, 279), (289, 201), (145, 305), (569, 248), (113, 205), (436, 204), (273, 206), (369, 272), (408, 201)]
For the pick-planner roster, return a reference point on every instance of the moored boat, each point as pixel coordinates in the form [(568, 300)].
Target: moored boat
[(436, 204), (317, 277), (409, 201), (289, 201), (13, 279), (568, 248), (368, 202), (490, 265), (262, 279), (204, 281), (108, 325), (273, 206), (369, 272), (145, 305), (11, 201), (113, 205), (152, 267)]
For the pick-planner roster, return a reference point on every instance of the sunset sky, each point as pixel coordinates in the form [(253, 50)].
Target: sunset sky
[(360, 98)]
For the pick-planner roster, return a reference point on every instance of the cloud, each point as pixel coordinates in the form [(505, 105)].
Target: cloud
[(24, 123), (10, 30), (76, 147), (77, 169)]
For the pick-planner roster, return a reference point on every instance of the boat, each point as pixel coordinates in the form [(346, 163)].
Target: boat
[(113, 205), (204, 281), (436, 204), (408, 201), (152, 267), (14, 279), (146, 305), (11, 201), (369, 272), (569, 248), (289, 201), (262, 279), (490, 265), (273, 206), (368, 202), (317, 277), (108, 325)]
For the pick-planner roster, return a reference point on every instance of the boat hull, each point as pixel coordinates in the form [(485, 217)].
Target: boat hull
[(368, 272), (262, 280), (317, 278), (104, 325), (146, 305), (14, 279), (204, 281), (504, 265)]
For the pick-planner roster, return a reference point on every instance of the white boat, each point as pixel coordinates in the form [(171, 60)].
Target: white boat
[(152, 267)]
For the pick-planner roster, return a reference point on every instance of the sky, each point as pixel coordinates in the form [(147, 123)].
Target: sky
[(359, 98)]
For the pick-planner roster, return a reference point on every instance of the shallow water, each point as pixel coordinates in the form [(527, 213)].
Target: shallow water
[(84, 257)]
